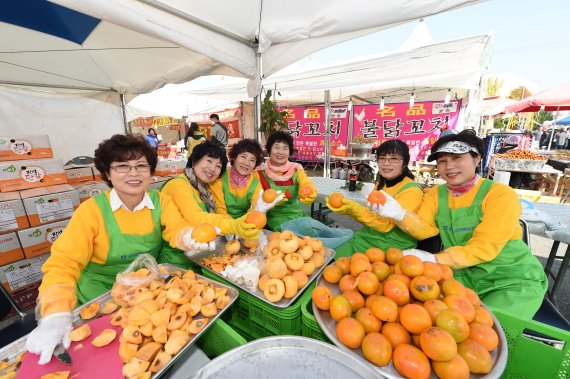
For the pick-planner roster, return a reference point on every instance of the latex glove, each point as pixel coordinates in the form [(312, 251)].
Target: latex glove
[(311, 199), (262, 206), (423, 255), (51, 330), (348, 207), (191, 246), (240, 228), (391, 209)]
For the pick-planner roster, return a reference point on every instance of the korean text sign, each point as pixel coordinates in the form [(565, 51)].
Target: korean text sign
[(307, 126), (418, 126)]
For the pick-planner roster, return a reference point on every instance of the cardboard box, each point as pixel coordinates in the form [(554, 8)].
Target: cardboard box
[(14, 148), (22, 279), (49, 204), (12, 213), (97, 175), (20, 175), (170, 167), (38, 240), (10, 249), (158, 181), (79, 174), (85, 191)]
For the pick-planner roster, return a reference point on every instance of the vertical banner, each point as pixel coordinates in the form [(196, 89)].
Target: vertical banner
[(418, 126), (307, 126)]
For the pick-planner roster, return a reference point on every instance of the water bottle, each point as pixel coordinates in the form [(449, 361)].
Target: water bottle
[(352, 178)]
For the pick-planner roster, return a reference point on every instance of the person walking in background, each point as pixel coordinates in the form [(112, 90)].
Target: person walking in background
[(192, 138), (152, 139), (562, 138), (219, 131)]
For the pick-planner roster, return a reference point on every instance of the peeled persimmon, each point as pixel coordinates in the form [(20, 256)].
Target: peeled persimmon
[(335, 199), (350, 332), (376, 197), (269, 195), (204, 233), (256, 218), (321, 296)]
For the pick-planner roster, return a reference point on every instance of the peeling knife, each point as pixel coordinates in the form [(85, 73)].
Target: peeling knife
[(61, 353)]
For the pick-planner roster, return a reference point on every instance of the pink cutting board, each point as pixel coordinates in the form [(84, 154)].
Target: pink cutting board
[(89, 362)]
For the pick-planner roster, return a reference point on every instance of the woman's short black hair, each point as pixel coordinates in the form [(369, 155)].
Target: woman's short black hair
[(193, 127), (149, 129), (279, 136), (123, 148), (467, 136), (247, 145), (211, 150), (394, 147)]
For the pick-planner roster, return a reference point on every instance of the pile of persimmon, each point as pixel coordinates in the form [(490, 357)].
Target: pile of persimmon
[(289, 261), (158, 322), (413, 313)]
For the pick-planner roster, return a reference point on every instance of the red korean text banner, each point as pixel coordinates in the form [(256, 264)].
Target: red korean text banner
[(307, 126), (418, 126)]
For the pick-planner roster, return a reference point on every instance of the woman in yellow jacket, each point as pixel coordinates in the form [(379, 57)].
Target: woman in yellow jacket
[(281, 175), (395, 179), (478, 222), (192, 195), (105, 234)]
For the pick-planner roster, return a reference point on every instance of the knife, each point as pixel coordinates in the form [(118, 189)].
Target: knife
[(61, 353)]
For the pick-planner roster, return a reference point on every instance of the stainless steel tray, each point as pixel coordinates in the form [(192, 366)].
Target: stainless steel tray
[(17, 347), (283, 303), (328, 325), (286, 357)]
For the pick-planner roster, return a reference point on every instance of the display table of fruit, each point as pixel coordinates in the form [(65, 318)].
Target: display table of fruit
[(408, 318)]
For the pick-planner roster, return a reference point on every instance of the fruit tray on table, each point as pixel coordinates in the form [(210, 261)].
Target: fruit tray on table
[(328, 325), (283, 303), (88, 368)]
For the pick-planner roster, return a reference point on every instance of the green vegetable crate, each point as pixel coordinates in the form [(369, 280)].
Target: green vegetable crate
[(310, 327), (220, 338)]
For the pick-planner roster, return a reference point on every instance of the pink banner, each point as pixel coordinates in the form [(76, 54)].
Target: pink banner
[(306, 125), (419, 126)]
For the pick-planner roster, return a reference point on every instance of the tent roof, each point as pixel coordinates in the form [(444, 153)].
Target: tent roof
[(552, 99), (456, 64), (492, 106)]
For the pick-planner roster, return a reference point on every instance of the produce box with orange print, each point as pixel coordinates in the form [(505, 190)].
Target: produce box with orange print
[(48, 204), (79, 174), (169, 167), (90, 189), (14, 148), (38, 240), (20, 175), (10, 249), (21, 280), (12, 213), (97, 175)]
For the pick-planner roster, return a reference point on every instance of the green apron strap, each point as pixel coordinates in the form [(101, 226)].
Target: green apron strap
[(237, 206), (289, 210)]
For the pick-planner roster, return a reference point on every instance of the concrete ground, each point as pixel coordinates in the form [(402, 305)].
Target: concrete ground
[(540, 247)]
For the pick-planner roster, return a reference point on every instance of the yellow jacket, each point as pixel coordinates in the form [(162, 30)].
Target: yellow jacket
[(85, 239), (500, 223), (217, 190)]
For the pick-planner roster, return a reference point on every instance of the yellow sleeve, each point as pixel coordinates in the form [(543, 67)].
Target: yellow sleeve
[(303, 179), (185, 197), (70, 253), (410, 199), (499, 224), (172, 222), (217, 191), (421, 224)]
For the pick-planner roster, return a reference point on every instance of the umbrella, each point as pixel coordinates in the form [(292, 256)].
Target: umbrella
[(553, 99)]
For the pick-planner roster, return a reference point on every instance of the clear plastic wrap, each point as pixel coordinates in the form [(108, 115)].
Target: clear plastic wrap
[(138, 275)]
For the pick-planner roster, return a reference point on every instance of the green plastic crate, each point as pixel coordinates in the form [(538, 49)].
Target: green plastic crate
[(219, 338), (529, 358), (257, 318), (309, 325)]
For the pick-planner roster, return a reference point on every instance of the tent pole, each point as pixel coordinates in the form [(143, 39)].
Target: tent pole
[(257, 101), (124, 112), (326, 170), (350, 122), (553, 129)]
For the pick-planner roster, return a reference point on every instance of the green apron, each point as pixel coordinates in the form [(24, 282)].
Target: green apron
[(169, 254), (367, 237), (235, 205), (289, 210), (514, 281), (96, 278)]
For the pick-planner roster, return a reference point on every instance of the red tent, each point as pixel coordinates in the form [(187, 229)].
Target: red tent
[(553, 99)]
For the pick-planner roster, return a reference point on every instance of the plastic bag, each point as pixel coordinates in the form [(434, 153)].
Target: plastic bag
[(138, 276), (307, 226)]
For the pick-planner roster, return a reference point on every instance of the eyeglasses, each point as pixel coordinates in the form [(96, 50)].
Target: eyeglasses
[(124, 168), (386, 159)]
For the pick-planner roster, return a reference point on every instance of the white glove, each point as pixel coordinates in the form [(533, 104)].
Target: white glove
[(423, 255), (391, 209), (193, 246), (231, 237), (262, 206), (51, 330)]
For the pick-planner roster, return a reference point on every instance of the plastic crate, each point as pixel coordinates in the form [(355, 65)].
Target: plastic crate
[(528, 357), (219, 338), (258, 319), (309, 325)]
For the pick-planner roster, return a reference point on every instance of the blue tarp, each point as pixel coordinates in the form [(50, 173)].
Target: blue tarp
[(564, 121)]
